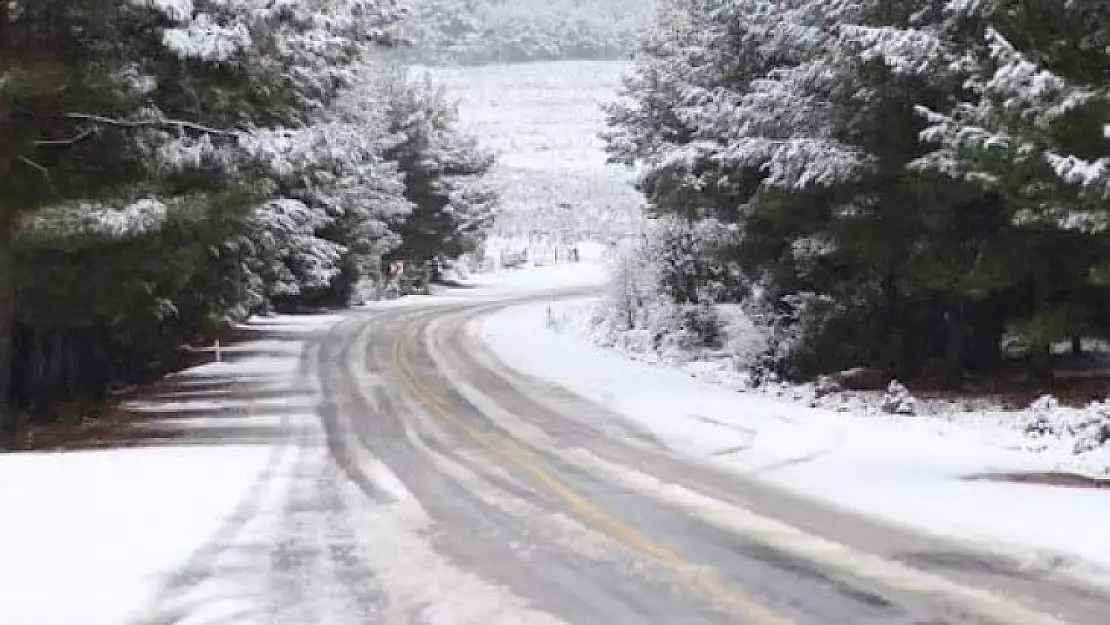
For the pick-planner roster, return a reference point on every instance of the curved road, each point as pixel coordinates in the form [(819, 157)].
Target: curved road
[(506, 500)]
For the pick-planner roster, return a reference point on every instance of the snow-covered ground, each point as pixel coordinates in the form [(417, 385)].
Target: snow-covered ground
[(909, 470), (95, 537), (1070, 439), (126, 516)]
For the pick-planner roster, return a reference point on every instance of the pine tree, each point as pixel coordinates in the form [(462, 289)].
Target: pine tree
[(69, 94), (443, 171), (159, 107), (1031, 129), (807, 125)]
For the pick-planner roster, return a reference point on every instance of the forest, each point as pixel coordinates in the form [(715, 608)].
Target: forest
[(917, 186), (170, 167)]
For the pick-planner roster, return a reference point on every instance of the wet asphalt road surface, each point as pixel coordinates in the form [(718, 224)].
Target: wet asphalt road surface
[(428, 484)]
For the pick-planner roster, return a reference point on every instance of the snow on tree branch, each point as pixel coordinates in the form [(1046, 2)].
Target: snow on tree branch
[(96, 219)]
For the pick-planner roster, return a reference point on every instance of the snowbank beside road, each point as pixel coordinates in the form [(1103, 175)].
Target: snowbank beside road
[(87, 537), (906, 470)]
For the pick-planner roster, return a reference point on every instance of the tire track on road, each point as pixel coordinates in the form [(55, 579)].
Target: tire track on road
[(893, 574)]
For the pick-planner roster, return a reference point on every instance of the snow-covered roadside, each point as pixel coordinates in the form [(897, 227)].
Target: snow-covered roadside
[(87, 536), (902, 469), (1075, 440), (91, 536)]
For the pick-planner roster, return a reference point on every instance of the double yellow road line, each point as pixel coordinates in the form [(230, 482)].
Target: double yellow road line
[(723, 592)]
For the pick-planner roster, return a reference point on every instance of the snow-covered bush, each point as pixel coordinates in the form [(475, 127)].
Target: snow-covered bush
[(899, 400), (670, 299), (1087, 428)]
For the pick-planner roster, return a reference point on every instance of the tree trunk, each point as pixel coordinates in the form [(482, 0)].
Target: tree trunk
[(1077, 346), (954, 341), (8, 423)]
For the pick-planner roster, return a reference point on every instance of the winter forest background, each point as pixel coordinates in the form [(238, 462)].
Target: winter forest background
[(171, 167), (916, 186)]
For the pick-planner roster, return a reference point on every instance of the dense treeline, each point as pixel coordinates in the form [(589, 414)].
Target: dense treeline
[(170, 167), (514, 31), (917, 185)]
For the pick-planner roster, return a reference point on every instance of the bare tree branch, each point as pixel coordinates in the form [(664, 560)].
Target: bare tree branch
[(41, 169), (67, 142), (152, 123)]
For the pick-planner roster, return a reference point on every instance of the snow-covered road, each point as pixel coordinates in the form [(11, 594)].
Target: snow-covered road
[(558, 509), (907, 470)]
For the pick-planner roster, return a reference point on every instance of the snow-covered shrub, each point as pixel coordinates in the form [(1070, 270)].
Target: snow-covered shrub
[(665, 298), (899, 400), (1088, 428), (788, 326), (742, 339)]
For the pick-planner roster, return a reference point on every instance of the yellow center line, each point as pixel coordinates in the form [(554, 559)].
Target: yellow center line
[(707, 580)]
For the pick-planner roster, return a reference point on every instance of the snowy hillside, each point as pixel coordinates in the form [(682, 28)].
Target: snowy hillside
[(508, 31), (542, 119)]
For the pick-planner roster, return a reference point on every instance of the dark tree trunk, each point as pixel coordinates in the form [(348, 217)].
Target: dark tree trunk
[(954, 352), (8, 421), (1077, 346)]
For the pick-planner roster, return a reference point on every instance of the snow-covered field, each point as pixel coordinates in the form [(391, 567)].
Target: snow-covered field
[(909, 470), (543, 120)]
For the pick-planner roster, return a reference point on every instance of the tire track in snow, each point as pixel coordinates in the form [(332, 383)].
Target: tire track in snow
[(317, 571), (186, 596), (783, 537), (419, 584)]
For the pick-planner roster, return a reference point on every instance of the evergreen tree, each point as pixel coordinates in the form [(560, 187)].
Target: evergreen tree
[(159, 108), (69, 95), (912, 183), (1031, 130), (443, 171)]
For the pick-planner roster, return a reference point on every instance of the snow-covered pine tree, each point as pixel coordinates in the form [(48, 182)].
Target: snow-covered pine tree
[(62, 68), (1031, 128), (716, 119), (444, 177), (343, 202), (873, 248), (800, 123), (149, 104)]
